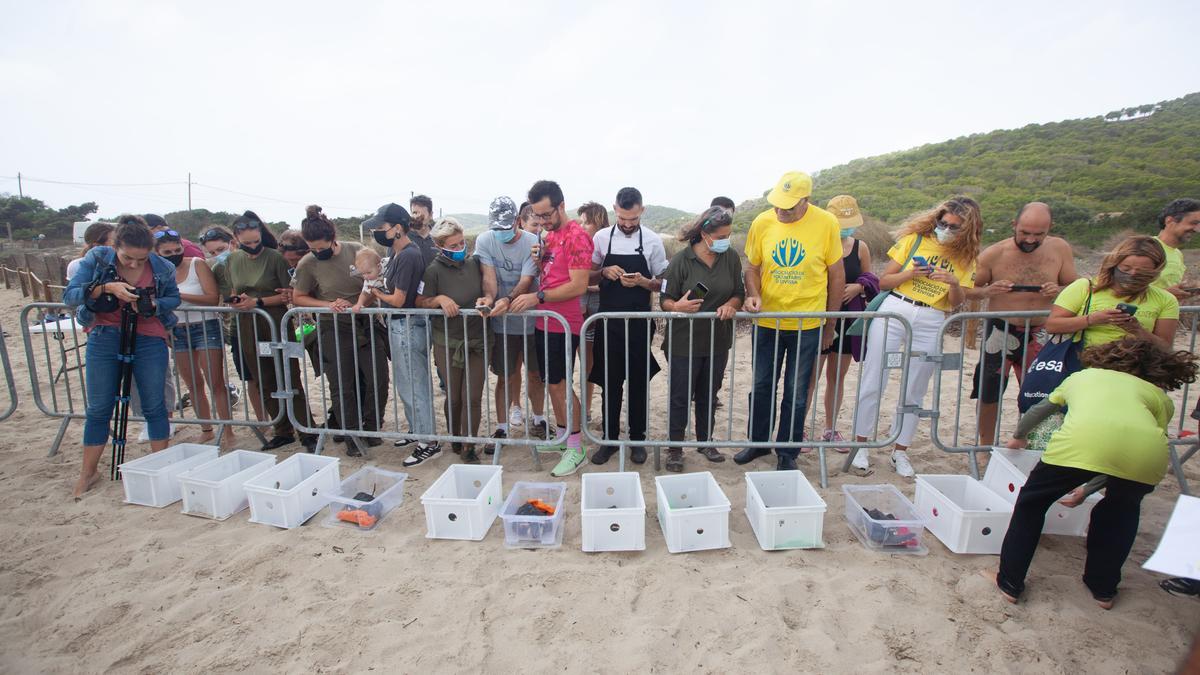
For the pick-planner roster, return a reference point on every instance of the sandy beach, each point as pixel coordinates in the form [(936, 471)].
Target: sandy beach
[(102, 586)]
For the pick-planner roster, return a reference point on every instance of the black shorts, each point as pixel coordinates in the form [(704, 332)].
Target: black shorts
[(551, 359), (999, 350), (507, 350)]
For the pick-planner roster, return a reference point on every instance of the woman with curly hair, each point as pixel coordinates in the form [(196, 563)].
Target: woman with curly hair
[(1115, 429), (926, 274)]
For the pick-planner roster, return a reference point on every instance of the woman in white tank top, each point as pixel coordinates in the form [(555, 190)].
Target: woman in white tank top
[(198, 343)]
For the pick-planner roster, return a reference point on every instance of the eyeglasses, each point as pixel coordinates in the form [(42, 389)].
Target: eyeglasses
[(948, 226), (544, 216), (166, 233), (293, 249)]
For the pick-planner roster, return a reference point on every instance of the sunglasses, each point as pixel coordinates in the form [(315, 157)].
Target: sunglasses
[(245, 226), (293, 249), (949, 226), (166, 233), (212, 235)]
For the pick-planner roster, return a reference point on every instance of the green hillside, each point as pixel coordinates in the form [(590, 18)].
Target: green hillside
[(1101, 174)]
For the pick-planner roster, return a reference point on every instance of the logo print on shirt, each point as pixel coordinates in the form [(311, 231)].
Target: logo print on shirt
[(788, 253)]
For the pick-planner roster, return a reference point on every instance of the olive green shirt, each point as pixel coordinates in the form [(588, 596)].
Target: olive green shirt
[(329, 280), (724, 281)]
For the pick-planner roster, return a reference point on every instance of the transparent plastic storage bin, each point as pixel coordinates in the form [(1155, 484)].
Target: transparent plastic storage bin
[(1007, 472), (217, 489), (692, 511), (292, 491), (613, 511), (966, 516), (784, 510), (387, 487), (534, 531), (902, 535), (153, 480), (463, 502)]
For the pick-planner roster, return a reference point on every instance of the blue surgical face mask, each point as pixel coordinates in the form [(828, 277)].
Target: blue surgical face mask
[(718, 245), (504, 236), (848, 232), (456, 256), (944, 234)]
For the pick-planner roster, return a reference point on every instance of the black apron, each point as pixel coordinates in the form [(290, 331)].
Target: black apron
[(609, 348)]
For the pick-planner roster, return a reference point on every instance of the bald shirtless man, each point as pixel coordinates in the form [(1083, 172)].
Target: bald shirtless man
[(1024, 273)]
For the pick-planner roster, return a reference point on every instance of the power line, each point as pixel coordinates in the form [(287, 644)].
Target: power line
[(67, 182)]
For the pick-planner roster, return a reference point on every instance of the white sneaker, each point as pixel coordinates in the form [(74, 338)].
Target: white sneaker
[(901, 464), (862, 460), (145, 435), (516, 416)]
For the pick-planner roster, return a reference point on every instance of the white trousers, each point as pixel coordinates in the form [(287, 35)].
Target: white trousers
[(888, 336)]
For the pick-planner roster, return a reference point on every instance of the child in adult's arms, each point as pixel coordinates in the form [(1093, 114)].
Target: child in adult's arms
[(1116, 429)]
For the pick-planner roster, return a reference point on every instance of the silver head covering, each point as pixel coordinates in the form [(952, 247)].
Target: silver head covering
[(502, 214)]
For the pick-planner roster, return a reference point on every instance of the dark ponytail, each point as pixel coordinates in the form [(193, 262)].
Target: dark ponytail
[(714, 218), (251, 219), (132, 232), (316, 226)]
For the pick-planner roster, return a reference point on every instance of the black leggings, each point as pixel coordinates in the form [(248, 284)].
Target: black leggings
[(1110, 535)]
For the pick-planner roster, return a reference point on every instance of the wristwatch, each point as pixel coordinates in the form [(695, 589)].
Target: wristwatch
[(541, 295), (258, 302)]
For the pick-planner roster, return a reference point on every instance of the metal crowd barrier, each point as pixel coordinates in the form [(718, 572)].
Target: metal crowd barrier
[(8, 410), (983, 433), (363, 342), (738, 435), (56, 347)]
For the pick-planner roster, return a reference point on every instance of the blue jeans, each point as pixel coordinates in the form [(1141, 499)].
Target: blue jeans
[(410, 371), (103, 372), (772, 350)]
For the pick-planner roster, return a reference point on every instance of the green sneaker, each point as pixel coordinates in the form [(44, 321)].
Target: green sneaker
[(570, 463)]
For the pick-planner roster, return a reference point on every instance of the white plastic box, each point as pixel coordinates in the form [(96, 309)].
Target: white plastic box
[(387, 488), (902, 534), (292, 491), (153, 480), (966, 516), (784, 510), (534, 531), (613, 511), (692, 511), (463, 502), (217, 489), (1007, 472)]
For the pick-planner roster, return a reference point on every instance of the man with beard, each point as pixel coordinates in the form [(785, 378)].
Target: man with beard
[(1177, 223), (1021, 274), (421, 208)]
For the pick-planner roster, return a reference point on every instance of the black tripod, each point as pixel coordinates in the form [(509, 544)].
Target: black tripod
[(129, 318)]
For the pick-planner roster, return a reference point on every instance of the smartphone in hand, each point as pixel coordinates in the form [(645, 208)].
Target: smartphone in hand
[(1127, 308), (1025, 288), (699, 291)]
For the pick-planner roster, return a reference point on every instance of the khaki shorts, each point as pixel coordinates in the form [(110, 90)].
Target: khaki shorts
[(505, 351)]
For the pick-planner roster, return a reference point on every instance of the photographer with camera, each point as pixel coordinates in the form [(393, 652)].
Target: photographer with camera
[(127, 277)]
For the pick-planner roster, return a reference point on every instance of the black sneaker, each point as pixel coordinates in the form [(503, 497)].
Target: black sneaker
[(309, 441), (540, 430), (469, 456), (277, 442), (352, 449), (185, 401), (603, 454), (491, 449), (637, 455), (456, 448), (749, 455), (403, 443), (373, 442), (423, 453)]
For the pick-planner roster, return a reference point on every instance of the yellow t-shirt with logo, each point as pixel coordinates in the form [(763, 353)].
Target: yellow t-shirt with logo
[(1174, 270), (794, 259), (936, 294), (1158, 304)]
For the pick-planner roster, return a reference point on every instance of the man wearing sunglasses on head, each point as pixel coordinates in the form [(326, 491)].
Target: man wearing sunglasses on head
[(157, 223)]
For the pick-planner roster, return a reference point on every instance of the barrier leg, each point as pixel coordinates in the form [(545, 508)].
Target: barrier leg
[(1177, 467), (496, 453), (824, 470), (62, 430), (320, 443)]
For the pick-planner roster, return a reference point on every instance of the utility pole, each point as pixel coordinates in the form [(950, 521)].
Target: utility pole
[(20, 192), (189, 191)]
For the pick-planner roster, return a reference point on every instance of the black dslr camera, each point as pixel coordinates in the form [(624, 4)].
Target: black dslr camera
[(145, 301)]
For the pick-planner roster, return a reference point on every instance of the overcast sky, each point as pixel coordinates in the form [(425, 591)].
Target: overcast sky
[(351, 105)]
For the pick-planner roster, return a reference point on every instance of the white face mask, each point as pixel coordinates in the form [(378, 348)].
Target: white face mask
[(944, 235)]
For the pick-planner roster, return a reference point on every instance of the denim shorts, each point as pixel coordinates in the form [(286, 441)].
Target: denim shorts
[(190, 337)]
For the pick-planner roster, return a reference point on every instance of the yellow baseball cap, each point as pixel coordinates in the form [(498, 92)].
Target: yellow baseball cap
[(794, 186), (845, 208)]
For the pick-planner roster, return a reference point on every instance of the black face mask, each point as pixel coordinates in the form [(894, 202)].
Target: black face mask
[(325, 254), (1027, 247), (382, 239), (176, 259), (252, 250)]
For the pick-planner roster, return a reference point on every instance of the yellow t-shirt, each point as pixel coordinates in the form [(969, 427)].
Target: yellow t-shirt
[(1174, 270), (936, 294), (1116, 424), (1158, 304), (794, 260)]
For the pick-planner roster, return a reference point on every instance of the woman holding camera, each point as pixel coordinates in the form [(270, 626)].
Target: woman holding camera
[(1121, 301), (125, 277)]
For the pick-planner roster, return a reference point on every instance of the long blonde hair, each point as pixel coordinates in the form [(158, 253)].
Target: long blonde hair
[(965, 248), (1139, 245)]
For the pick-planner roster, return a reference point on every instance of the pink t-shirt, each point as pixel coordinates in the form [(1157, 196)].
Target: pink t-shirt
[(147, 326), (567, 248)]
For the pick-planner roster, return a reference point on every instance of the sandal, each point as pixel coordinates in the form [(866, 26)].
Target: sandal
[(1181, 587)]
